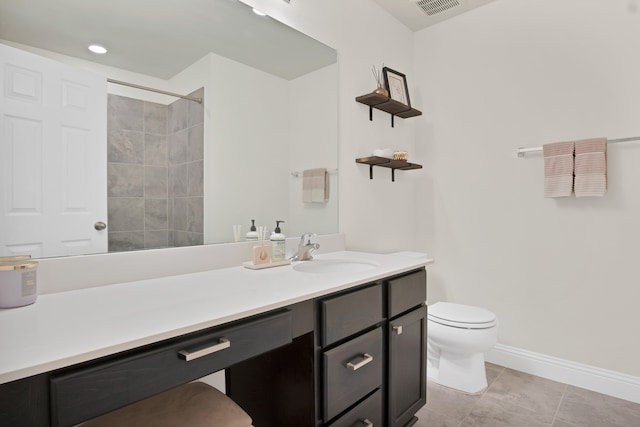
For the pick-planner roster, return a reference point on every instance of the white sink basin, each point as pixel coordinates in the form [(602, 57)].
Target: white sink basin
[(323, 266)]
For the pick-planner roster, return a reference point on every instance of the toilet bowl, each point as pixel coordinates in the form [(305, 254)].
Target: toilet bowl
[(457, 337)]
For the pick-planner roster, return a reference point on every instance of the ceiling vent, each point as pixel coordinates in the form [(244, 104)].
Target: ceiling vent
[(434, 7)]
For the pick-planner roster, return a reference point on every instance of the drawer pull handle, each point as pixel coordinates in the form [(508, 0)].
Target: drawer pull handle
[(366, 358), (397, 330), (367, 423), (191, 355)]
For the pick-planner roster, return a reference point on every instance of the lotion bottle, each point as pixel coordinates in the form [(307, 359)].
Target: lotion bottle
[(252, 234), (278, 244)]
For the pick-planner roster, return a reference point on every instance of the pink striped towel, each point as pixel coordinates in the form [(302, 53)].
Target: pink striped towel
[(558, 169), (591, 167)]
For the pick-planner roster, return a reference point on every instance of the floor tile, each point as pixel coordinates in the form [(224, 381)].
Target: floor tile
[(448, 402), (493, 372), (586, 408), (522, 394), (493, 412), (429, 418), (516, 399)]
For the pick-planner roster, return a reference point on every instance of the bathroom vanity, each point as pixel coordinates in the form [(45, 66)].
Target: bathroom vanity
[(299, 348)]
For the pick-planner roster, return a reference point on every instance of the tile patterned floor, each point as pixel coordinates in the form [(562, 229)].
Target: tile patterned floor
[(516, 399)]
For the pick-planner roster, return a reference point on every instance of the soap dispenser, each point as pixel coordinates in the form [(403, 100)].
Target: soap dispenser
[(278, 244), (252, 234)]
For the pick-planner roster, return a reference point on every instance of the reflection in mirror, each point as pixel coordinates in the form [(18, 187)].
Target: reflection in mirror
[(179, 172)]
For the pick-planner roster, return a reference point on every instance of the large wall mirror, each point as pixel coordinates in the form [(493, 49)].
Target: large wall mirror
[(174, 172)]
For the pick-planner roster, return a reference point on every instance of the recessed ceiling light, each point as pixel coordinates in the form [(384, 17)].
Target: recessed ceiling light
[(96, 48), (257, 12)]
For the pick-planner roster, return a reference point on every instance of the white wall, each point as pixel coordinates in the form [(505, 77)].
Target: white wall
[(560, 273)]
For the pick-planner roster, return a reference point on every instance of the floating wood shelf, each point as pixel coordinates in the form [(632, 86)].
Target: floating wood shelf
[(388, 105), (387, 163)]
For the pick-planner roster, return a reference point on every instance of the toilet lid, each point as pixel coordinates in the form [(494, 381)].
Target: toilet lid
[(461, 316)]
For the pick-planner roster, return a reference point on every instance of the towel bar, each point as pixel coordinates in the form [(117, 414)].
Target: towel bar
[(520, 152)]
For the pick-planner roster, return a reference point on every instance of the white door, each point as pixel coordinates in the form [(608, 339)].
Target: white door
[(53, 157)]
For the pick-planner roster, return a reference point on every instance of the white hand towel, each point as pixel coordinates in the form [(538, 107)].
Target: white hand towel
[(315, 185)]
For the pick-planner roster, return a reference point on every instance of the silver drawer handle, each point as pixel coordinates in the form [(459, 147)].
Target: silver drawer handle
[(397, 330), (366, 358), (191, 355), (367, 423)]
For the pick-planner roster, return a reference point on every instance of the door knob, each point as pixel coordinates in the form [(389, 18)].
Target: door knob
[(99, 225)]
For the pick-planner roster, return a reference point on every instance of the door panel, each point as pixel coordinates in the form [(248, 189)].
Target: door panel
[(53, 157)]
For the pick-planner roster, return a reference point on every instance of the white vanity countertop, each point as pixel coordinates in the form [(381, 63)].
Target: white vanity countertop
[(66, 328)]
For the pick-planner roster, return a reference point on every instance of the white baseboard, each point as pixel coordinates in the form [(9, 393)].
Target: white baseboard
[(602, 381)]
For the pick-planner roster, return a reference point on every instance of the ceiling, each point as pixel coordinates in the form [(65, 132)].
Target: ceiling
[(419, 14), (161, 38)]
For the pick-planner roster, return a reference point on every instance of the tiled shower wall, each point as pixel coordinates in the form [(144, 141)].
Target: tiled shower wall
[(155, 173)]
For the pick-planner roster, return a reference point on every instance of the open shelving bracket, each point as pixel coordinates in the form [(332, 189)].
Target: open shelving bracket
[(371, 116), (387, 163), (388, 105)]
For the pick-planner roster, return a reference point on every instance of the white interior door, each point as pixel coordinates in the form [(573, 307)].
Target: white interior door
[(53, 157)]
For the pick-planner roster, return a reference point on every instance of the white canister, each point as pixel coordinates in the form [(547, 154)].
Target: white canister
[(18, 283)]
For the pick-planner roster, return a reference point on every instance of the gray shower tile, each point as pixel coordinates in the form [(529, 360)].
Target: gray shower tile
[(195, 214), (586, 408), (178, 147), (126, 241), (180, 238), (156, 215), (449, 402), (155, 181), (178, 115), (170, 216), (523, 395), (195, 143), (196, 110), (178, 180), (125, 180), (125, 113), (155, 118), (125, 213), (156, 239), (125, 146), (195, 184), (180, 214), (155, 150)]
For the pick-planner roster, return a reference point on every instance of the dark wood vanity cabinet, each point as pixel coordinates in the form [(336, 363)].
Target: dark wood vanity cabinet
[(355, 357), (373, 348)]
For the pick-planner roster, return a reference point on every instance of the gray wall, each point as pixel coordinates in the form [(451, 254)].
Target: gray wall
[(155, 164)]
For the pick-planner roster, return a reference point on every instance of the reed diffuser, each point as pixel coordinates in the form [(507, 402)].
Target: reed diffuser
[(377, 74)]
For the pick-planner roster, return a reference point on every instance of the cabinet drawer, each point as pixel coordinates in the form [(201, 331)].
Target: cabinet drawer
[(117, 381), (367, 413), (351, 371), (347, 314), (406, 292)]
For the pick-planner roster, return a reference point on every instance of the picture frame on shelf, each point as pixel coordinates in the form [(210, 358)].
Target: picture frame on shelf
[(396, 83)]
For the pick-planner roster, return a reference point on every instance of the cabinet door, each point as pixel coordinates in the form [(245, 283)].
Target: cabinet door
[(407, 366)]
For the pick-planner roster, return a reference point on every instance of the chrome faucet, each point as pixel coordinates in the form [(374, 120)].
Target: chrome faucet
[(305, 247)]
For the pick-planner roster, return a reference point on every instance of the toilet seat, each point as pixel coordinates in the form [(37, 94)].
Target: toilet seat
[(461, 316)]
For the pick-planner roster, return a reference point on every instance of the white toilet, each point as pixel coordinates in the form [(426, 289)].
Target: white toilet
[(457, 337)]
